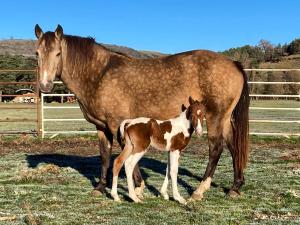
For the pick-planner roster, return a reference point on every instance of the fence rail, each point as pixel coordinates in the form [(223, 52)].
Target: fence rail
[(251, 108)]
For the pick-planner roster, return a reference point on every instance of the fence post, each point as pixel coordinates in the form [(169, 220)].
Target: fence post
[(42, 115)]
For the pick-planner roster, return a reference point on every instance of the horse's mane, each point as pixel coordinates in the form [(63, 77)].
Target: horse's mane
[(80, 52)]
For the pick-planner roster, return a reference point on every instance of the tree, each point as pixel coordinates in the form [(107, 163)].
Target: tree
[(267, 49), (294, 47)]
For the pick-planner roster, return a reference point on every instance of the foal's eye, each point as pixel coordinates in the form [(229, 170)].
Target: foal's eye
[(58, 54), (37, 54)]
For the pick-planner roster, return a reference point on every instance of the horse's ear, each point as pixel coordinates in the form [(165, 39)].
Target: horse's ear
[(191, 100), (38, 31), (183, 108), (59, 32)]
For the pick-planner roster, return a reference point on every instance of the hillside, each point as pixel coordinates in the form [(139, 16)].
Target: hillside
[(27, 48), (287, 62)]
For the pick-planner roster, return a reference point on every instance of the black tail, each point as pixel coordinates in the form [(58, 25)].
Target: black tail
[(240, 124)]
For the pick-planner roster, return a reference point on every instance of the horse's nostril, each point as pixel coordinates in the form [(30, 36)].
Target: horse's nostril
[(46, 87)]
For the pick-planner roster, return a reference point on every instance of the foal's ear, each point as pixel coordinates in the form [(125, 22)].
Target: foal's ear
[(183, 108), (59, 32), (191, 100), (38, 31)]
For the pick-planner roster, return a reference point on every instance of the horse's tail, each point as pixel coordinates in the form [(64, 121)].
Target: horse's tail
[(240, 124)]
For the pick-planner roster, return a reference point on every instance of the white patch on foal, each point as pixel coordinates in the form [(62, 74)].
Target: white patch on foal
[(179, 124)]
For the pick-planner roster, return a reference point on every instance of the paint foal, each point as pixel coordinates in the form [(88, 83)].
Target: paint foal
[(170, 135)]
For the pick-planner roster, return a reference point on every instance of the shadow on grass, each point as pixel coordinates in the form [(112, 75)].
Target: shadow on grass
[(90, 167)]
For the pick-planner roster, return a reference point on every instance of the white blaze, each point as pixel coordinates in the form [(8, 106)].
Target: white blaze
[(199, 128), (45, 77)]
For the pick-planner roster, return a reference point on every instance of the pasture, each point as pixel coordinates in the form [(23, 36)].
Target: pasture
[(50, 182)]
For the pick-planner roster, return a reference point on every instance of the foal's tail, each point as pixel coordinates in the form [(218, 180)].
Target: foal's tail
[(240, 124), (122, 128)]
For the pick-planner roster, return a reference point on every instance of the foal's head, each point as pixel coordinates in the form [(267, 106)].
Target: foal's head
[(195, 114), (49, 56)]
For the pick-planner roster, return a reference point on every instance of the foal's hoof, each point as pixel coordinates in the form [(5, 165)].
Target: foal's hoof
[(96, 193), (181, 201), (139, 191), (233, 194), (165, 196), (196, 197)]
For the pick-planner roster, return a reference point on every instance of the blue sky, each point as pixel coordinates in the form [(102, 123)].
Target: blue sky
[(161, 25)]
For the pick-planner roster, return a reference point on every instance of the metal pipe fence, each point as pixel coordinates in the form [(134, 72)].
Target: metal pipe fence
[(36, 105), (293, 122)]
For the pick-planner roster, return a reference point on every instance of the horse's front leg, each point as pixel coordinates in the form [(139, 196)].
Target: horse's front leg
[(105, 145), (215, 151)]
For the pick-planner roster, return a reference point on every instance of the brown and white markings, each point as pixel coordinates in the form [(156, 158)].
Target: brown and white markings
[(171, 135)]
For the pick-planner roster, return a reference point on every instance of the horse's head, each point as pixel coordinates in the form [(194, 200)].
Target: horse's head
[(49, 56), (195, 114)]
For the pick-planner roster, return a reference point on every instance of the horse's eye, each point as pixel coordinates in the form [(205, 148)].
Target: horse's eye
[(58, 54), (37, 54)]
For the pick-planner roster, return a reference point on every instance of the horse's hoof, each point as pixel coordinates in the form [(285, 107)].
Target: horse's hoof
[(135, 199), (165, 196), (139, 192), (117, 199), (96, 193), (181, 201), (233, 194), (195, 196)]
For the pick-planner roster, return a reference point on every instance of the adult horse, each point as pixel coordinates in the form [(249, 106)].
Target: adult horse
[(111, 87)]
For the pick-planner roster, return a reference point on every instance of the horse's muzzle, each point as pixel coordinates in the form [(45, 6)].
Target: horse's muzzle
[(199, 132), (46, 87)]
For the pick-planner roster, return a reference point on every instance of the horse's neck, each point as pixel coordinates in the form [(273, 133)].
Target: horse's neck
[(181, 122), (82, 82)]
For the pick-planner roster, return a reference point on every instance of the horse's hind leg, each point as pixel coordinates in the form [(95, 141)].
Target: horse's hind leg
[(215, 140), (137, 176), (105, 145), (129, 166), (138, 181), (238, 172), (118, 163)]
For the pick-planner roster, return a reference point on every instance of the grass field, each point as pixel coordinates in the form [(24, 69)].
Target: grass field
[(78, 125), (50, 182)]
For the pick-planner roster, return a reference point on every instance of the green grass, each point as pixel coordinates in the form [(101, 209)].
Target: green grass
[(56, 188), (83, 126)]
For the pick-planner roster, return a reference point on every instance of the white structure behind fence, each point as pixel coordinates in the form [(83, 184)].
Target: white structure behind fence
[(297, 122)]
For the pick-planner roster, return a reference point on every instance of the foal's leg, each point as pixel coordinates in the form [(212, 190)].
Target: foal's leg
[(105, 145), (215, 150), (138, 181), (174, 157), (164, 187), (118, 163), (129, 166), (137, 176)]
